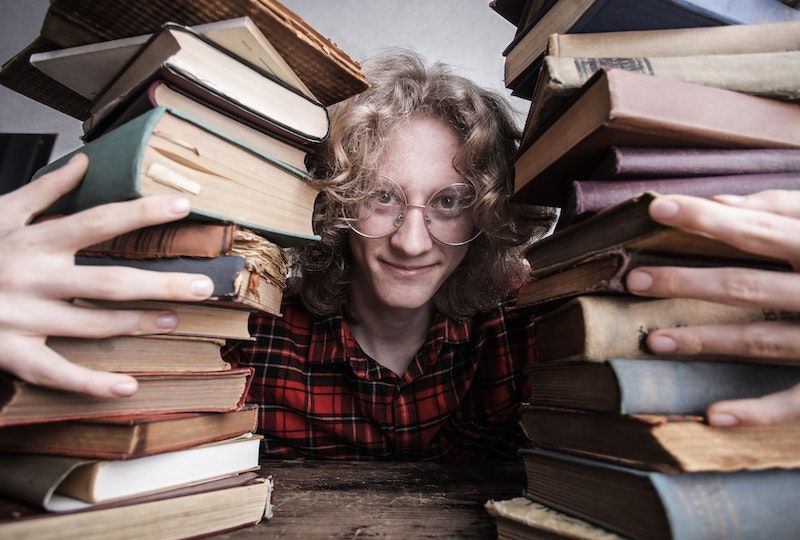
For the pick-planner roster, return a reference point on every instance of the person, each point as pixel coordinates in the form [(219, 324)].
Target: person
[(396, 340)]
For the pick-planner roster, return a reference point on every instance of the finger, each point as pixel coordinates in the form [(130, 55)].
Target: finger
[(37, 364), (783, 202), (735, 286), (772, 409), (754, 231), (21, 205), (64, 319), (101, 223), (778, 341)]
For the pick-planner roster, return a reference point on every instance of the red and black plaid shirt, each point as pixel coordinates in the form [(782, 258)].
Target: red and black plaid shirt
[(320, 395)]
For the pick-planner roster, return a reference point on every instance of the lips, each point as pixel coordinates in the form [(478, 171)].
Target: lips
[(404, 270)]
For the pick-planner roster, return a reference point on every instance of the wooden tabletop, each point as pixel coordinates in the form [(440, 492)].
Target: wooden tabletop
[(329, 499)]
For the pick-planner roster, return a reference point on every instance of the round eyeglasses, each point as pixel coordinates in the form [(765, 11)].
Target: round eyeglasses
[(448, 212)]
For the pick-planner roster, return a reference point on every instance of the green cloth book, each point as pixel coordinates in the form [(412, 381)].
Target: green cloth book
[(165, 152)]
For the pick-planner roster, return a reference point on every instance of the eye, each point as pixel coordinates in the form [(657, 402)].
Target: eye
[(385, 196)]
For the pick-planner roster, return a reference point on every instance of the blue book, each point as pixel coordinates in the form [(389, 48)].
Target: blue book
[(524, 54), (746, 504)]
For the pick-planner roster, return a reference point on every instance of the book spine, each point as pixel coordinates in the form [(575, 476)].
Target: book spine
[(675, 387), (185, 239), (114, 167), (625, 162), (589, 197)]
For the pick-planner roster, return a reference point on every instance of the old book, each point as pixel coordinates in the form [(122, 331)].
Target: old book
[(631, 162), (653, 386), (774, 75), (88, 69), (638, 504), (203, 69), (606, 327), (627, 225), (733, 39), (663, 443), (622, 108), (161, 94), (239, 282), (587, 197), (188, 512), (128, 437), (522, 518), (166, 153), (590, 16), (605, 272), (194, 319), (62, 484), (143, 354), (216, 391)]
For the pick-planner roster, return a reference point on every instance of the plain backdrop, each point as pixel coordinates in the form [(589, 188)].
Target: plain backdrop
[(466, 34)]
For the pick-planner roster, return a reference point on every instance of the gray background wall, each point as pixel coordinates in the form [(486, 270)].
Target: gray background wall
[(466, 34)]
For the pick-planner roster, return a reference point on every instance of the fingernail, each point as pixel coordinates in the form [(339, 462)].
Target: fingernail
[(202, 287), (167, 321), (639, 280), (179, 205), (661, 344), (723, 419), (73, 158), (730, 199), (124, 389), (664, 208)]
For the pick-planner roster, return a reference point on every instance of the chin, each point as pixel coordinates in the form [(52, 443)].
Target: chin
[(408, 299)]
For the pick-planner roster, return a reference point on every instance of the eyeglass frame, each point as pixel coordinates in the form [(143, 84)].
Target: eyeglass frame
[(403, 215)]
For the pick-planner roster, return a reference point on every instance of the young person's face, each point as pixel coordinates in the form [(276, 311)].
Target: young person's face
[(405, 269)]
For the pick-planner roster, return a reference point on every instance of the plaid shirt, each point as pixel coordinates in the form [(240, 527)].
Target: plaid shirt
[(321, 396)]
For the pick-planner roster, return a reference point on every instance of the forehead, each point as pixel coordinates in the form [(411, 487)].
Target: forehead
[(419, 155)]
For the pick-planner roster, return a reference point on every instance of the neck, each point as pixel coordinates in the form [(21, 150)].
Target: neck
[(390, 336)]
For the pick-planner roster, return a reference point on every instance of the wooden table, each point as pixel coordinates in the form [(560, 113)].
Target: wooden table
[(326, 499)]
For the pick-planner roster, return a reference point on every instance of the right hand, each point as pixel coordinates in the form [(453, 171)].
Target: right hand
[(38, 276)]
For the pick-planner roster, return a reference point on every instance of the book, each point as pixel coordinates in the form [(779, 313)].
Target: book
[(653, 386), (625, 162), (142, 354), (622, 108), (216, 391), (194, 319), (665, 443), (637, 504), (627, 225), (164, 152), (60, 484), (238, 282), (734, 39), (161, 94), (594, 16), (605, 327), (775, 75), (522, 518), (204, 70), (128, 437), (587, 197), (329, 73), (87, 69), (194, 511), (605, 273)]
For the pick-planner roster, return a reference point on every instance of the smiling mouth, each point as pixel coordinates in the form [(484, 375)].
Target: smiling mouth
[(408, 271)]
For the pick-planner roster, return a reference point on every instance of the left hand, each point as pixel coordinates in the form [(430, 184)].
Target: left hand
[(766, 223)]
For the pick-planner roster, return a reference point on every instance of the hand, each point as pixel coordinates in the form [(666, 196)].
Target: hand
[(38, 276), (766, 223)]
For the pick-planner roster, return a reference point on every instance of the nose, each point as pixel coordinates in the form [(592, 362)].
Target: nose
[(412, 237)]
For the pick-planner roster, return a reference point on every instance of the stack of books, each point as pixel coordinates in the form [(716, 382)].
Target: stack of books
[(218, 116), (619, 443)]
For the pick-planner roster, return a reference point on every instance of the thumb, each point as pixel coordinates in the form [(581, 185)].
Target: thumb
[(770, 409)]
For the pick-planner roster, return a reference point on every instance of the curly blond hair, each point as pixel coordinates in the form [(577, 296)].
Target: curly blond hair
[(345, 168)]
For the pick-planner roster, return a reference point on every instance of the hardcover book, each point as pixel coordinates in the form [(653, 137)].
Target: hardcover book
[(166, 153), (666, 443), (622, 108), (746, 504)]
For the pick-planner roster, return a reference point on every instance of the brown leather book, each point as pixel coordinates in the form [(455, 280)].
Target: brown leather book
[(128, 437), (622, 108)]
